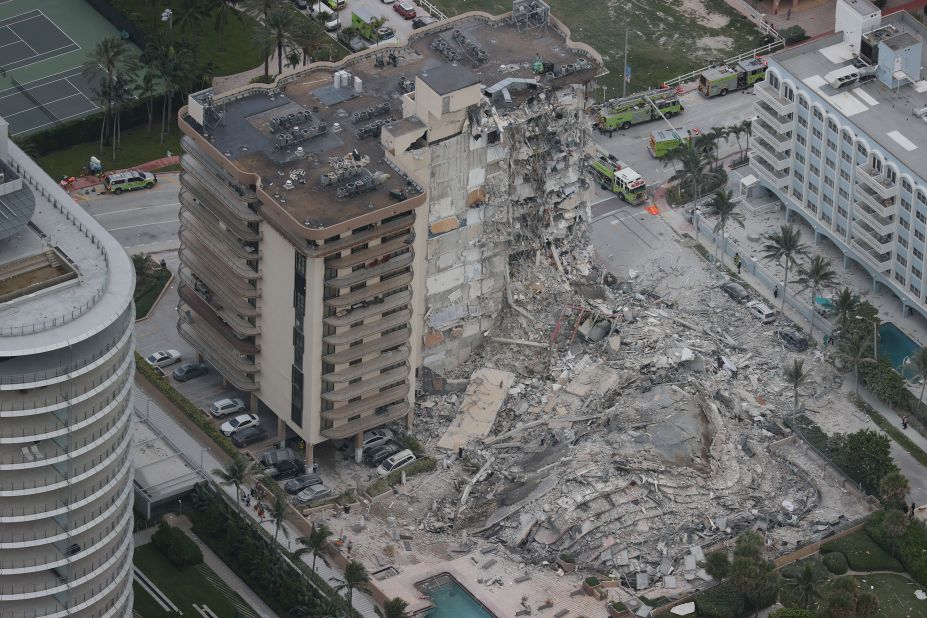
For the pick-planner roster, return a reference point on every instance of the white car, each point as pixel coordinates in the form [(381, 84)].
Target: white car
[(761, 312), (376, 437), (397, 461), (240, 422), (224, 407), (164, 358)]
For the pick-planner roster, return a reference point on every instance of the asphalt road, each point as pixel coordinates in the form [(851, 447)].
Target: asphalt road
[(143, 221)]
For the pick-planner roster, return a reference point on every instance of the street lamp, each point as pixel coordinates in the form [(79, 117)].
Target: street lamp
[(168, 16)]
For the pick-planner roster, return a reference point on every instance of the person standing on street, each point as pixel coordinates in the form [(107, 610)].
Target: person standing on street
[(904, 421)]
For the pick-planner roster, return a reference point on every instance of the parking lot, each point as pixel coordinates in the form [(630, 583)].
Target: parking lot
[(401, 26)]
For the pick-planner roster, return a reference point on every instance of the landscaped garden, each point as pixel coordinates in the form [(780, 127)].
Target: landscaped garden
[(150, 279)]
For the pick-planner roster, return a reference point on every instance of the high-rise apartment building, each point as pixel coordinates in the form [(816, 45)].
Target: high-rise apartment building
[(353, 222), (840, 135), (66, 367)]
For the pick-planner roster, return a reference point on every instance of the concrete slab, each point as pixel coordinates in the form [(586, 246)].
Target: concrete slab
[(477, 413)]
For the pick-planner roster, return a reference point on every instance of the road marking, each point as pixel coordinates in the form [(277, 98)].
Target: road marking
[(129, 227), (116, 212)]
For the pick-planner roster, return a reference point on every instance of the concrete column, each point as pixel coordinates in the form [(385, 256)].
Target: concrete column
[(281, 431), (253, 401), (309, 456), (875, 285), (359, 446), (817, 238), (409, 418), (788, 215), (226, 383), (846, 262)]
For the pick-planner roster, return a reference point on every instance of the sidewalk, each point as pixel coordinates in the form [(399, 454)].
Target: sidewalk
[(85, 182)]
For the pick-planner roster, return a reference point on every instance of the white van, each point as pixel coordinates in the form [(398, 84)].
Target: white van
[(321, 12), (761, 312), (333, 24), (397, 461)]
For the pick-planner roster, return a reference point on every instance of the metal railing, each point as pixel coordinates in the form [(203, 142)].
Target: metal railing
[(432, 9), (753, 53)]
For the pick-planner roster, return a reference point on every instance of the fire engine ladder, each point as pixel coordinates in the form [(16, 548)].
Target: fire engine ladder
[(659, 93)]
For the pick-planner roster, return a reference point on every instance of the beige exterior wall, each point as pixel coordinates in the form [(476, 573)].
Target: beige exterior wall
[(312, 361)]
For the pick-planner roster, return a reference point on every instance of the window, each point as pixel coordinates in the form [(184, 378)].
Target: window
[(902, 260), (891, 175), (899, 278), (830, 163), (800, 139), (827, 200), (802, 122), (802, 102), (861, 150), (842, 211), (816, 132), (917, 253), (811, 206), (812, 188), (787, 91), (799, 158), (847, 137), (920, 216), (919, 235), (817, 114), (916, 290), (816, 151), (446, 105), (846, 157), (906, 204), (798, 195), (845, 175), (300, 264), (904, 223), (813, 169), (829, 181), (773, 80), (916, 272), (903, 241), (826, 218), (843, 193), (906, 185), (921, 198), (799, 177), (831, 144), (831, 125)]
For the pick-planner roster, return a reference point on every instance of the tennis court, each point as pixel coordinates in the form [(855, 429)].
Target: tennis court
[(30, 38), (45, 101)]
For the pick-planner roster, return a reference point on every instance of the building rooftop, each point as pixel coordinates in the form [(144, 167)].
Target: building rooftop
[(886, 115), (341, 172), (63, 278)]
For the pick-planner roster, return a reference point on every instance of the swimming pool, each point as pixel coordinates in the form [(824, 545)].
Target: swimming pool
[(450, 599), (896, 346)]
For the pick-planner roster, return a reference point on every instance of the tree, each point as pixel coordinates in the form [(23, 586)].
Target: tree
[(736, 131), (189, 14), (795, 375), (853, 349), (276, 512), (804, 583), (234, 473), (261, 8), (918, 363), (894, 523), (693, 172), (305, 37), (109, 57), (842, 598), (224, 11), (395, 608), (784, 245), (314, 543), (717, 564), (752, 575), (172, 63), (792, 612), (893, 489), (147, 90), (866, 457), (845, 303), (723, 207), (714, 137), (355, 578), (816, 275)]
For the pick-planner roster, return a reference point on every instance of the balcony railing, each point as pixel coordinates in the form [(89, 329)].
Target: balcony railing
[(373, 346), (368, 328), (777, 178), (370, 253), (782, 124), (880, 261), (218, 297), (209, 229), (769, 95), (882, 186), (367, 386), (365, 368), (867, 194), (202, 312), (219, 212), (346, 317), (368, 405), (881, 224), (882, 243), (216, 277), (778, 140), (241, 379), (370, 292), (779, 160), (218, 253), (239, 324), (346, 430)]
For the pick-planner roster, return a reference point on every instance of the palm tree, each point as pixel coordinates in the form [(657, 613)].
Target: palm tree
[(693, 172), (277, 513), (147, 90), (261, 8), (715, 135), (121, 91), (723, 207), (918, 363), (816, 275), (736, 131), (314, 543), (747, 128), (225, 9), (279, 27), (110, 56), (189, 14), (894, 523), (355, 577), (234, 473), (173, 66), (785, 244), (894, 488), (845, 303), (306, 39), (853, 349), (804, 583), (395, 608), (795, 375)]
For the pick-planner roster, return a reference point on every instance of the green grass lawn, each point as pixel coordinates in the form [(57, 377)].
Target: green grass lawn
[(896, 595), (863, 554), (665, 39), (147, 290), (143, 605), (190, 585), (137, 148)]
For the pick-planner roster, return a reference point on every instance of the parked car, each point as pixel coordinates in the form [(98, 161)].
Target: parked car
[(239, 422), (286, 469), (378, 454), (385, 32), (761, 312), (224, 407), (793, 339), (301, 4), (376, 437), (188, 371), (164, 358), (313, 494), (301, 482), (405, 9), (273, 456), (128, 181), (333, 24), (399, 460), (735, 291), (248, 435), (422, 21), (387, 1)]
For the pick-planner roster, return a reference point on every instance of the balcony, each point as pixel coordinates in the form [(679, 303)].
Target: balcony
[(376, 364), (868, 195), (367, 348), (358, 408), (878, 222), (219, 212), (776, 178), (220, 299), (770, 96), (346, 430), (217, 278), (241, 372), (781, 124), (369, 385), (206, 313), (218, 253), (881, 243), (369, 292), (882, 262), (213, 231), (876, 181), (346, 317), (359, 238), (778, 140), (367, 329), (370, 253), (235, 320), (779, 160), (364, 274), (210, 189)]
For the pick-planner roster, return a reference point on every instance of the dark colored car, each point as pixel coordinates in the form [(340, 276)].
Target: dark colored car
[(376, 455), (421, 22), (188, 371), (735, 291), (286, 469), (793, 339), (248, 435), (296, 485)]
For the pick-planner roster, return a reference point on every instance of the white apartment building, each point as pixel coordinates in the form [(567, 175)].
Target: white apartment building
[(66, 367), (840, 136)]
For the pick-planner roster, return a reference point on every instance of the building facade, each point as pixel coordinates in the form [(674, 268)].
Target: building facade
[(351, 223), (66, 368), (839, 135)]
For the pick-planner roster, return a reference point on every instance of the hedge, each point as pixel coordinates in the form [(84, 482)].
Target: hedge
[(836, 563), (862, 553), (897, 434), (381, 486), (184, 405), (145, 298), (177, 547), (910, 548), (722, 601)]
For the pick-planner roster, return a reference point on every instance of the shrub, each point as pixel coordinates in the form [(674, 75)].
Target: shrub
[(263, 79), (910, 548), (722, 601), (567, 557), (792, 612), (836, 563), (593, 581), (885, 383), (184, 405), (865, 455), (862, 553), (793, 35), (176, 546)]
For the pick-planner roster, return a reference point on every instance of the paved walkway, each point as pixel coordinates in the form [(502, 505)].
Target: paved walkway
[(91, 181)]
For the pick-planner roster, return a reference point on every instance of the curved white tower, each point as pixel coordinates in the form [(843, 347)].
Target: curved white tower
[(66, 367)]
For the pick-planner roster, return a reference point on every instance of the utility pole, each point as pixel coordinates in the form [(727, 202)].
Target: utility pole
[(624, 76)]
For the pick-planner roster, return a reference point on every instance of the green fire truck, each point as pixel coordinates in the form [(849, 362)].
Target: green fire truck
[(719, 81), (662, 142), (615, 176), (622, 113)]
